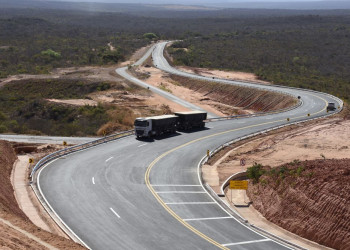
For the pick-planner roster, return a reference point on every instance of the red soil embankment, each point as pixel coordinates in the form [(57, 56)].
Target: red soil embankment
[(310, 198), (244, 97), (10, 237)]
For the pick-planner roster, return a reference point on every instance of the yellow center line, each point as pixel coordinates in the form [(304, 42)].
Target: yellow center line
[(167, 208)]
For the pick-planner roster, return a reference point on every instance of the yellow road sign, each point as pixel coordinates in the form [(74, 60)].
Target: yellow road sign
[(239, 185), (64, 143), (31, 160)]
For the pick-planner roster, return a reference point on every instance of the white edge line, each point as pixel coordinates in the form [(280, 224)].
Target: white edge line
[(174, 185), (114, 212), (48, 204), (200, 181), (210, 218), (110, 158), (180, 192), (189, 203), (142, 145), (93, 180), (246, 242)]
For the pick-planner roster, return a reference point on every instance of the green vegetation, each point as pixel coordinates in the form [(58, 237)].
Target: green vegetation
[(261, 174), (24, 108), (255, 172), (38, 41), (302, 51), (295, 48), (150, 36)]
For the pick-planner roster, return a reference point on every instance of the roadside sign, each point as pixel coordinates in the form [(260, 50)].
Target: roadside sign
[(208, 153), (242, 162), (239, 185), (31, 160), (64, 143)]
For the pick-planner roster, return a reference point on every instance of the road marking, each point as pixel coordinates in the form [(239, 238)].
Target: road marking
[(181, 192), (245, 242), (110, 158), (142, 145), (93, 180), (114, 212), (154, 162), (170, 185), (189, 203), (210, 218)]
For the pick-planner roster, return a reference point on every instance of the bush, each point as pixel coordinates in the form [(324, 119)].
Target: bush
[(255, 172), (150, 36), (3, 128)]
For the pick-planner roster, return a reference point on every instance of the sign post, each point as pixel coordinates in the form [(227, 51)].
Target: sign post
[(238, 185)]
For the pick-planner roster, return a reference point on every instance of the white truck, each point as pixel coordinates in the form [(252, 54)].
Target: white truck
[(155, 125), (163, 124)]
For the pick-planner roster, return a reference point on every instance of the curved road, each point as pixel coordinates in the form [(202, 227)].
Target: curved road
[(132, 194), (123, 72)]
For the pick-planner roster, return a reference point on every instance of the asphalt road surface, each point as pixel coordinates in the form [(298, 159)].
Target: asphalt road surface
[(124, 73), (134, 194)]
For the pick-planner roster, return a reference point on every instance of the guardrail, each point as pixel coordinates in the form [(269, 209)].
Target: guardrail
[(79, 147), (254, 83), (222, 203), (300, 102)]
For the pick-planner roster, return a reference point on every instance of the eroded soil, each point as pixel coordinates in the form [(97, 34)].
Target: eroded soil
[(16, 230), (312, 202)]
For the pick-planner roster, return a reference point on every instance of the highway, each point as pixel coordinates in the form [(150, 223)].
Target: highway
[(123, 72), (134, 194)]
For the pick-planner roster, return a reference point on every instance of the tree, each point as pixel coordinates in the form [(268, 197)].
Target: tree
[(150, 36)]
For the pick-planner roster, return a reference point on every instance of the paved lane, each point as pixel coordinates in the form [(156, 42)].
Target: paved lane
[(132, 194)]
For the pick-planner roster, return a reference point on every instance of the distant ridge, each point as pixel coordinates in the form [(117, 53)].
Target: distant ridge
[(251, 4)]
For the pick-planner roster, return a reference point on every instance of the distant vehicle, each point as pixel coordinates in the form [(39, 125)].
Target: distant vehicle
[(331, 106), (166, 124)]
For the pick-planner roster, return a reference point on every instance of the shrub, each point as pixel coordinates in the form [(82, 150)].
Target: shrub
[(3, 128), (255, 172), (150, 36)]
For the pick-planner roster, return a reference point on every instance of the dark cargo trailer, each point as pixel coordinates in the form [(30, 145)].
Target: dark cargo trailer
[(190, 119)]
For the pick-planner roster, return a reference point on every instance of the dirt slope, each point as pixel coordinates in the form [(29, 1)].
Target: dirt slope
[(221, 99), (314, 203), (13, 220)]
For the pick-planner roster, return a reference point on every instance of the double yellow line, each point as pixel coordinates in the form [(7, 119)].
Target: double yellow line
[(167, 208)]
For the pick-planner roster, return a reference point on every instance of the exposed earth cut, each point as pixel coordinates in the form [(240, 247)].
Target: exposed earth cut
[(307, 191), (16, 230), (309, 198)]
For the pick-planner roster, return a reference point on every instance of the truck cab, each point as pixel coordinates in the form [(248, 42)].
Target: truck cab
[(155, 125), (143, 127)]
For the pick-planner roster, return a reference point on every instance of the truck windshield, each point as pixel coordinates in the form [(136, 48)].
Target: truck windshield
[(141, 123)]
